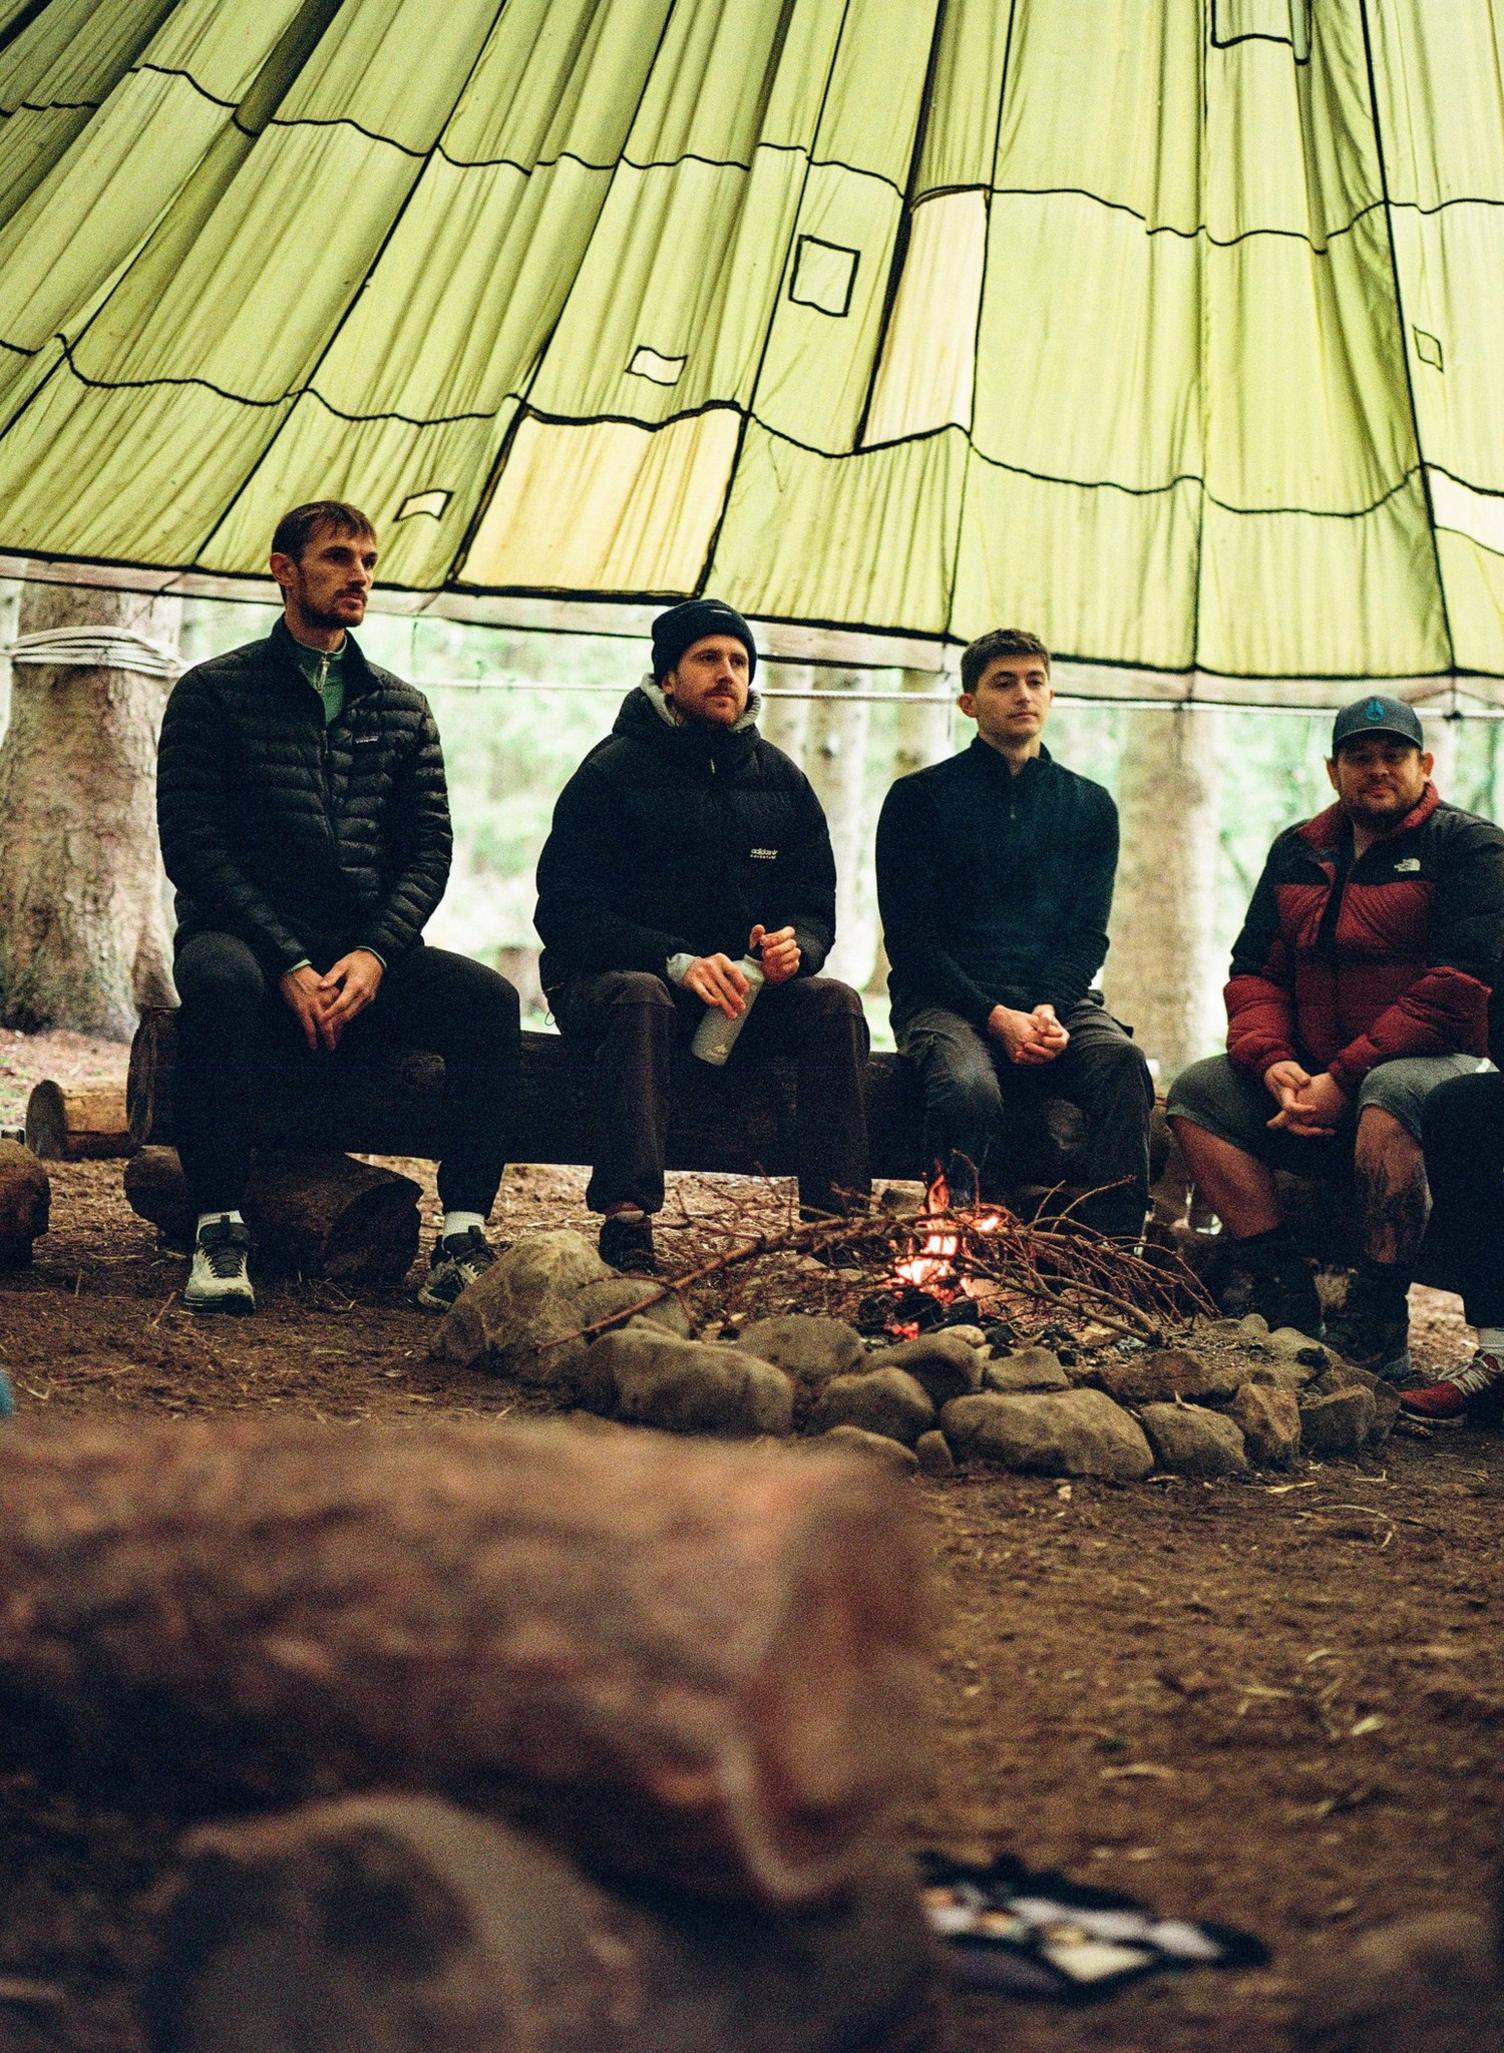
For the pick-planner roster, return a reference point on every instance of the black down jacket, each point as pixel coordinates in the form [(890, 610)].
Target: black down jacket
[(304, 841), (679, 839)]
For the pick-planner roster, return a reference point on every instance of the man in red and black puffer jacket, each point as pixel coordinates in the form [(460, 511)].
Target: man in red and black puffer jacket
[(1360, 981)]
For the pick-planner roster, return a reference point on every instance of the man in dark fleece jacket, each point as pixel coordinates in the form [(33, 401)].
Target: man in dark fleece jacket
[(304, 819), (994, 875), (683, 842), (1360, 983)]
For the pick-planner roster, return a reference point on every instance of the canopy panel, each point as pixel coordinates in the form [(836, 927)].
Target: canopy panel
[(1168, 330)]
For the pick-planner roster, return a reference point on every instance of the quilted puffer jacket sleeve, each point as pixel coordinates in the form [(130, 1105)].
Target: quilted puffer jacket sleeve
[(192, 811), (419, 846), (806, 883), (1445, 1011), (1260, 992)]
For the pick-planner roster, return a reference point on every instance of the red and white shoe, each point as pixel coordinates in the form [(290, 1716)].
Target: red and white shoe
[(1474, 1390)]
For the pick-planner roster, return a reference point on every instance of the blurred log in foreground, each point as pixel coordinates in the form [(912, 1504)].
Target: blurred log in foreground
[(403, 1925), (700, 1663), (25, 1200)]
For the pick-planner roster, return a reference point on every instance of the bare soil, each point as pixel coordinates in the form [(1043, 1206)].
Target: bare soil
[(1277, 1703)]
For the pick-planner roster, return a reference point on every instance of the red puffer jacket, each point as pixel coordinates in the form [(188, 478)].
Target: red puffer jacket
[(1344, 964)]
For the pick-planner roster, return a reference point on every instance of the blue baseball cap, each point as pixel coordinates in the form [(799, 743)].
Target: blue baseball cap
[(1377, 716)]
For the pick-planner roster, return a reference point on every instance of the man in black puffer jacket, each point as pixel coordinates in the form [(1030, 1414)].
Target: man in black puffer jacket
[(305, 822), (683, 842)]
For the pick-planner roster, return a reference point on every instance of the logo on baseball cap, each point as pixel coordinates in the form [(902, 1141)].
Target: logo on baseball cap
[(1377, 716)]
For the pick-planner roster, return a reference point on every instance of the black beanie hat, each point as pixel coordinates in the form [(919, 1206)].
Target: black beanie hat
[(682, 626)]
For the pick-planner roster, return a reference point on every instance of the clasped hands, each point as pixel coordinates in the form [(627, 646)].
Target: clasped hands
[(325, 1005), (1308, 1105), (717, 981), (1030, 1038)]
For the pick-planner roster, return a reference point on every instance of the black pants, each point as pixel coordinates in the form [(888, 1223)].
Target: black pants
[(1463, 1134), (630, 1019), (968, 1083), (428, 999)]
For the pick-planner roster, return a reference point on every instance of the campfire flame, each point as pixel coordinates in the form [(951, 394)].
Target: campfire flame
[(933, 1265)]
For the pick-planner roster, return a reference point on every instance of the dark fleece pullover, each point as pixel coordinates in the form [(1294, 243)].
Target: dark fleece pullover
[(995, 888)]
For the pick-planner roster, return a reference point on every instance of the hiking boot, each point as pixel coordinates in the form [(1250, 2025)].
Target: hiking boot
[(217, 1279), (454, 1266), (1473, 1391), (627, 1244), (1373, 1339), (1278, 1286)]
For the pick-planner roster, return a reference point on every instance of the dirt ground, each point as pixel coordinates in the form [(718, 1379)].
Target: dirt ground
[(1276, 1703)]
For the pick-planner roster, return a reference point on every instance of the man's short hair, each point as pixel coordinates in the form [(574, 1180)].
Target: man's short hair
[(1002, 641), (295, 530)]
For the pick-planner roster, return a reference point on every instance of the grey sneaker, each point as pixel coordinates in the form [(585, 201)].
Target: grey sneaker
[(455, 1264), (217, 1279)]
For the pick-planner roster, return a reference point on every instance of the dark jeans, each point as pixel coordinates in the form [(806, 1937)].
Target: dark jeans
[(968, 1084), (429, 999), (630, 1019), (1463, 1134)]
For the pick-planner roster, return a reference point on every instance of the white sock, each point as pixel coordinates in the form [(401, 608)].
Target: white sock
[(460, 1222), (216, 1219), (634, 1214), (1491, 1340)]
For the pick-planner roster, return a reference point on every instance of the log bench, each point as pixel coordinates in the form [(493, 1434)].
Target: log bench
[(386, 1103)]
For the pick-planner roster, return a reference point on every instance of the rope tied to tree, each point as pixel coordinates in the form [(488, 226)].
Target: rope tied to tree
[(95, 648)]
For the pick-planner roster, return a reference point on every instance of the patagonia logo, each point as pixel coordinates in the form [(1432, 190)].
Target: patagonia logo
[(764, 855), (1411, 862)]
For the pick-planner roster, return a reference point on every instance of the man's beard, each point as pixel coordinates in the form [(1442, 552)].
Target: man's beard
[(1379, 812)]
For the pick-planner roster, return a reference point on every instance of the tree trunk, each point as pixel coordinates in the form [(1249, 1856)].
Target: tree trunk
[(785, 722), (836, 765), (1164, 975), (25, 1194), (310, 1215), (403, 1925), (83, 939), (76, 1126), (700, 1663)]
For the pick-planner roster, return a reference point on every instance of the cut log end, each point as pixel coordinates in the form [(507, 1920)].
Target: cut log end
[(25, 1202), (76, 1126)]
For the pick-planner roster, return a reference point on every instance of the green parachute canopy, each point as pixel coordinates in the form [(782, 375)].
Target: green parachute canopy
[(1169, 328)]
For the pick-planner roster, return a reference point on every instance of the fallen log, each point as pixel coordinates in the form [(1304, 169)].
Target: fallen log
[(309, 1215), (76, 1126), (386, 1102), (25, 1199), (691, 1661), (406, 1925)]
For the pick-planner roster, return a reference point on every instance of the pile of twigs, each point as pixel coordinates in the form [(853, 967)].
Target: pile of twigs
[(1049, 1275)]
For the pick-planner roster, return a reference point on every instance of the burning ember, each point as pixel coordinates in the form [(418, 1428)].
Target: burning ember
[(934, 1268)]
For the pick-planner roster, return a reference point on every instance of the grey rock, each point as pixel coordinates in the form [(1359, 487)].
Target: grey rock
[(1074, 1433), (1428, 1984), (1340, 1423), (935, 1457), (1269, 1420), (946, 1365), (804, 1345), (523, 1299), (1031, 1368), (1163, 1373), (888, 1401), (1344, 1375), (1194, 1441), (1288, 1343), (1287, 1375), (686, 1386), (972, 1335), (1253, 1326), (875, 1446)]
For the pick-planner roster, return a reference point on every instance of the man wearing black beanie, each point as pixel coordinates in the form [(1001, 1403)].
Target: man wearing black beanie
[(683, 843)]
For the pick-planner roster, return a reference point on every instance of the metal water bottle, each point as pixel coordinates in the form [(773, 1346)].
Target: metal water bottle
[(715, 1036)]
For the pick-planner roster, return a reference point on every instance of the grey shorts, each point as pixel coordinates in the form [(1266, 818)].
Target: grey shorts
[(1228, 1102)]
